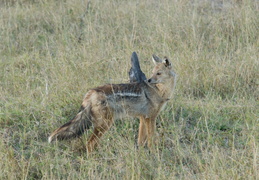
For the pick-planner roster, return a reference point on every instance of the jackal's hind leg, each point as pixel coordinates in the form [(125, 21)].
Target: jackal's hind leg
[(97, 134)]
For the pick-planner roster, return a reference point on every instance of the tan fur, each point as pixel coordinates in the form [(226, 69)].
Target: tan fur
[(102, 105)]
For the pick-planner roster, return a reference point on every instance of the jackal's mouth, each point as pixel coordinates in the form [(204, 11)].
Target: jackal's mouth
[(150, 82)]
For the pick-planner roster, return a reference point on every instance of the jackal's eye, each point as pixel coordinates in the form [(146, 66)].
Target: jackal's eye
[(158, 73)]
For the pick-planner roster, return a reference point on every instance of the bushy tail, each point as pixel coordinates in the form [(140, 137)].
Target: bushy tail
[(75, 127)]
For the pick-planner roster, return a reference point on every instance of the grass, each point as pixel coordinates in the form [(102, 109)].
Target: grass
[(52, 52)]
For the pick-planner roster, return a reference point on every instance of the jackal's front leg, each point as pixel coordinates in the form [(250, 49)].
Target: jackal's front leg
[(142, 134), (151, 127)]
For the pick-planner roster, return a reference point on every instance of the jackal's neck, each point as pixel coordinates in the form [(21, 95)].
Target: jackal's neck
[(165, 90)]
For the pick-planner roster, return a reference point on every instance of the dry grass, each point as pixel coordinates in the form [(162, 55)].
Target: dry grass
[(53, 51)]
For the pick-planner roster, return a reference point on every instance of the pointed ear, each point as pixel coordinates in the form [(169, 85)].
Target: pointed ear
[(156, 59), (167, 62)]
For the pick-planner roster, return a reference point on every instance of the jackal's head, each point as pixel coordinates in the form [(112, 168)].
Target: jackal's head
[(163, 72)]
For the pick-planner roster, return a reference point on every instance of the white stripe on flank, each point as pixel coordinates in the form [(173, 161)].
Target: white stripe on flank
[(127, 94)]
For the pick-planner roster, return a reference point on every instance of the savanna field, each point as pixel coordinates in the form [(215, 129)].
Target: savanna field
[(52, 52)]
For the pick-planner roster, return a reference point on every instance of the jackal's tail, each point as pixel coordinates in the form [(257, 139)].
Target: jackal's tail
[(74, 127)]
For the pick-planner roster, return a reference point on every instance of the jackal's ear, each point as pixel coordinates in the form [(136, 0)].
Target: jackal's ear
[(156, 59), (167, 62)]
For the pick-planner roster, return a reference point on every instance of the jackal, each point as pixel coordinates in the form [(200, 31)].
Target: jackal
[(104, 104)]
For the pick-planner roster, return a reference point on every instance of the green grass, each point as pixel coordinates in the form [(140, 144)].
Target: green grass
[(52, 52)]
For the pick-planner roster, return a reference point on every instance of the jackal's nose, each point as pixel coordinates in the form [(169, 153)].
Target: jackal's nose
[(149, 80)]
